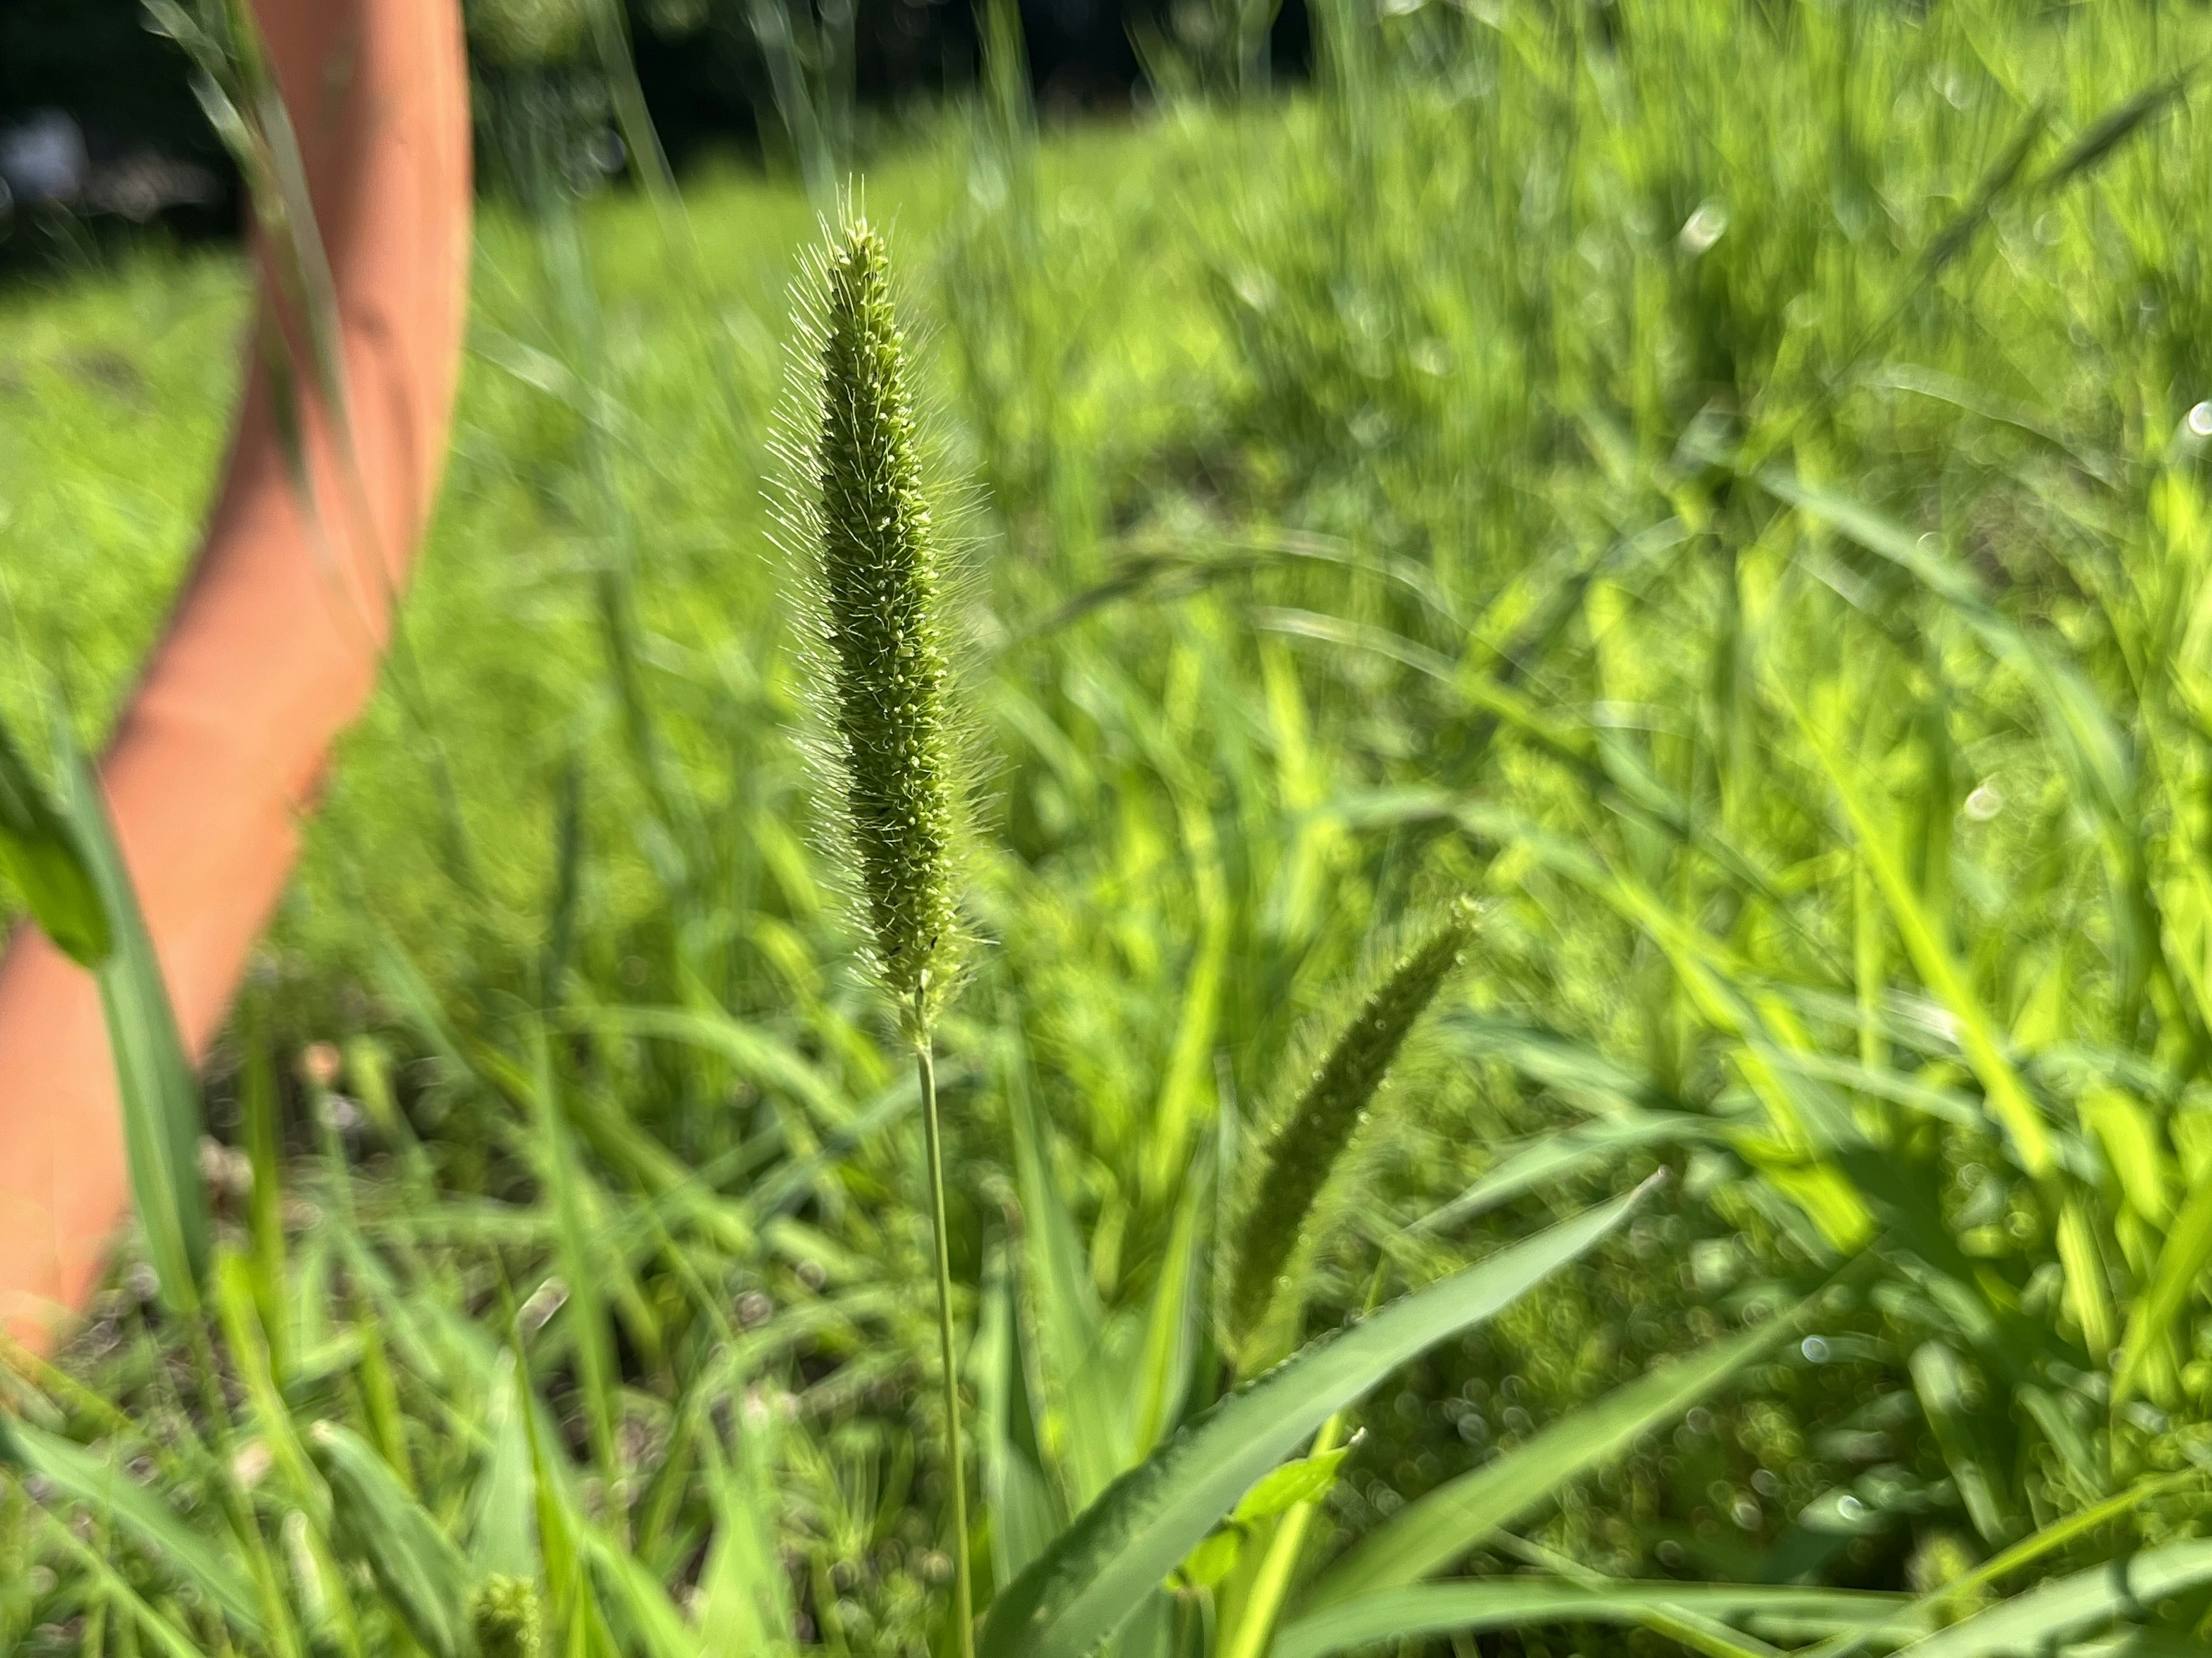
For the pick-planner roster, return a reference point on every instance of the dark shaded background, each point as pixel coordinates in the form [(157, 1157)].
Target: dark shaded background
[(129, 92)]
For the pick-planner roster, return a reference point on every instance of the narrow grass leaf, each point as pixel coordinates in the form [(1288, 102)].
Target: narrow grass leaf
[(231, 1283), (503, 1506), (256, 1089), (1441, 1527), (38, 848), (1070, 1324), (161, 1100), (747, 1609), (586, 1262), (2114, 128), (1569, 1066), (102, 1487), (1117, 1551), (1437, 1609), (1923, 936), (1940, 1378), (1175, 1318), (2159, 1311), (655, 1627), (422, 1575), (160, 1628), (1545, 1159), (1025, 1506), (2050, 1539), (1307, 1479), (2044, 1617), (758, 1056)]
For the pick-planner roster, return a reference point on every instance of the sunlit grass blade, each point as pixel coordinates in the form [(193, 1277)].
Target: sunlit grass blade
[(2097, 755), (504, 1520), (1070, 1324), (257, 1089), (747, 1609), (1924, 939), (2115, 127), (1960, 1592), (1940, 1378), (583, 1259), (638, 1600), (1120, 1547), (231, 1285), (2159, 1311), (757, 1054), (1441, 1527), (1440, 1609), (1525, 1165), (1174, 1321), (2044, 1618)]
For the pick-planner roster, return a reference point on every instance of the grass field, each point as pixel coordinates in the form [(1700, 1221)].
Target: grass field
[(1724, 487)]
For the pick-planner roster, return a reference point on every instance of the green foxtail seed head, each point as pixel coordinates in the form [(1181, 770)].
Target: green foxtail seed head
[(503, 1619), (1305, 1147), (886, 669)]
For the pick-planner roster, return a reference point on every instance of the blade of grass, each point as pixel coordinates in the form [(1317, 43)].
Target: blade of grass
[(1434, 1609), (96, 1482), (1439, 1527), (2161, 1308), (160, 1101), (2049, 1614), (420, 1573), (38, 848), (1095, 1575)]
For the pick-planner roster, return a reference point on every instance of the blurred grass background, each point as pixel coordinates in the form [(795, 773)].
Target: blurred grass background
[(1724, 484)]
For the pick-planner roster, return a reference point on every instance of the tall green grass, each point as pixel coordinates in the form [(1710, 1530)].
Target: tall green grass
[(1719, 485)]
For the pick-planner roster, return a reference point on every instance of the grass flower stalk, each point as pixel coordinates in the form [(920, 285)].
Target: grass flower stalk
[(1311, 1137), (885, 678)]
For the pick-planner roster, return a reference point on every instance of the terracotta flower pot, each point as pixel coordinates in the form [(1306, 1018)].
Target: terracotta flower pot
[(274, 644)]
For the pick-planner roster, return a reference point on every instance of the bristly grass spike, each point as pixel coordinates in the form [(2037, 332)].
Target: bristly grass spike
[(1310, 1139), (884, 670), (858, 501)]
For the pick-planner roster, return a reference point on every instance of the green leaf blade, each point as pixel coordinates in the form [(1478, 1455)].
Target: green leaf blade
[(38, 848), (1095, 1573), (92, 1480), (1443, 1525), (154, 1077), (1433, 1609)]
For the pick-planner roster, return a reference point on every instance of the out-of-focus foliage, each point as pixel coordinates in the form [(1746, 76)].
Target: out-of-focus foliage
[(1722, 485)]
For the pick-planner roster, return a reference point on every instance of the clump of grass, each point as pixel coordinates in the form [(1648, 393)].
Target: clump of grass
[(884, 687), (1308, 1141)]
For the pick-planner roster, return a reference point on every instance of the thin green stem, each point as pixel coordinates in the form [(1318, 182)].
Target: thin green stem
[(963, 1590), (1271, 1586), (1263, 1605)]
